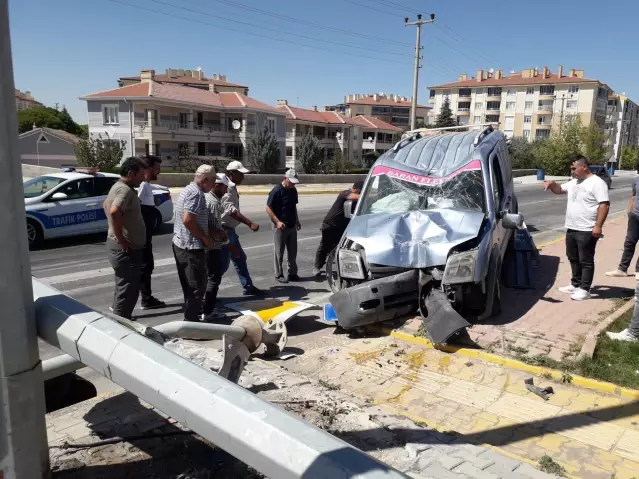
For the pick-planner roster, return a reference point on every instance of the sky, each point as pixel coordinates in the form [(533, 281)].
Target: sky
[(312, 52)]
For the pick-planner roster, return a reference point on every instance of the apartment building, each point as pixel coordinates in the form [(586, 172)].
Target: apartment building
[(352, 137), (24, 100), (621, 126), (194, 78), (390, 108), (164, 119), (529, 103)]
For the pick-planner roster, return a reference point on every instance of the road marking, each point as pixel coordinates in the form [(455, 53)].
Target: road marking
[(107, 270)]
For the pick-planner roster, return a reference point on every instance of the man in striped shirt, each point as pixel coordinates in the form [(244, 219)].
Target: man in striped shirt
[(191, 238)]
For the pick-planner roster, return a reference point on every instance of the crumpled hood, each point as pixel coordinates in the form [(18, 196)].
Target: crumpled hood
[(418, 239)]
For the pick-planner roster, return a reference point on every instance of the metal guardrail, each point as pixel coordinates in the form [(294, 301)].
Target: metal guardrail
[(272, 441)]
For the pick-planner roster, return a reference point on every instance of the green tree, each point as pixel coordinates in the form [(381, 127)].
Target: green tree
[(592, 141), (263, 152), (338, 163), (629, 157), (99, 153), (445, 118), (84, 131), (521, 153), (47, 118), (310, 154), (188, 161)]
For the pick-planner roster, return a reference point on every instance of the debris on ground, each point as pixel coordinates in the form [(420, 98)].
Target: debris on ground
[(541, 392)]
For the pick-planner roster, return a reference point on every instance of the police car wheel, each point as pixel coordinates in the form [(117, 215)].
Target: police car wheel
[(34, 233)]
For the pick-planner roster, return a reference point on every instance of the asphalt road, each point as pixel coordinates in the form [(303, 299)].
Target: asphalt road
[(79, 268)]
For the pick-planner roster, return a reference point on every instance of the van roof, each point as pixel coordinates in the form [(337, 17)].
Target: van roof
[(439, 155)]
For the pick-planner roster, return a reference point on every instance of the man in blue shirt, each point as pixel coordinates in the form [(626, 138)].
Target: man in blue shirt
[(281, 207)]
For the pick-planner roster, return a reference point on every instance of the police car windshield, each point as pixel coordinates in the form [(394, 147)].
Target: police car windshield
[(41, 185)]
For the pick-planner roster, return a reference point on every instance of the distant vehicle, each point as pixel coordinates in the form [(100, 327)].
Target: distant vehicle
[(69, 203), (602, 172)]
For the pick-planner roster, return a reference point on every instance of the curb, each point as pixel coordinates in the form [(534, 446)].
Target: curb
[(594, 384), (588, 348)]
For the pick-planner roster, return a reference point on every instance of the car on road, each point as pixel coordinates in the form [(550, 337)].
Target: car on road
[(602, 173), (429, 233), (69, 203)]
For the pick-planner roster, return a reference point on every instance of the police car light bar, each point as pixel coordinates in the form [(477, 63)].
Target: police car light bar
[(86, 171)]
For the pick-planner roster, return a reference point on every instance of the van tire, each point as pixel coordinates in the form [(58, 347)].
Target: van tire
[(35, 236)]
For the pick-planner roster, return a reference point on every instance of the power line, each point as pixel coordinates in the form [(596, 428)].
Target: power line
[(312, 24), (350, 45), (244, 32), (464, 43), (394, 5), (372, 8)]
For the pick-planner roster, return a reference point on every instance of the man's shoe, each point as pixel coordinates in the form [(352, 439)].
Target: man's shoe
[(617, 273), (293, 277), (152, 303), (316, 272), (213, 316), (253, 291), (624, 335), (580, 295), (282, 279), (570, 289)]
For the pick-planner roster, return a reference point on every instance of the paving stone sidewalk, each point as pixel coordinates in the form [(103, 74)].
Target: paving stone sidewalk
[(413, 448)]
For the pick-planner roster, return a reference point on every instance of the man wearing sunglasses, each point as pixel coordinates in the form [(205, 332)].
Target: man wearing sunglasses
[(586, 212)]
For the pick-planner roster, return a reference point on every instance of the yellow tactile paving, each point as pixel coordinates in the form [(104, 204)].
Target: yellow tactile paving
[(522, 409), (598, 434), (628, 445), (470, 394)]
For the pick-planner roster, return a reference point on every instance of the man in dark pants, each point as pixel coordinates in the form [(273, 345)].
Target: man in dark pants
[(214, 264), (149, 213), (632, 235), (335, 224), (126, 236), (586, 212), (191, 238), (281, 207)]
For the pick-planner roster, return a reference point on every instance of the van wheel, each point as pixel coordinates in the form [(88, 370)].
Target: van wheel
[(34, 233)]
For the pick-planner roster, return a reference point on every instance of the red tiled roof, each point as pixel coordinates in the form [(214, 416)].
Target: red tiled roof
[(63, 135), (369, 100), (334, 118), (515, 79), (22, 96), (183, 94), (187, 79)]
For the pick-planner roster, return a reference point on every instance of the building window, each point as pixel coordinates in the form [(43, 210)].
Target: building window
[(446, 93), (571, 105), (573, 89), (110, 114), (433, 93), (542, 134), (479, 91), (401, 111), (542, 120), (184, 120), (271, 125), (494, 91), (545, 105), (493, 105), (510, 105), (478, 106), (477, 120), (529, 105), (492, 118), (463, 106), (464, 92), (528, 119), (526, 134), (289, 151), (511, 91), (530, 90), (201, 149), (547, 90)]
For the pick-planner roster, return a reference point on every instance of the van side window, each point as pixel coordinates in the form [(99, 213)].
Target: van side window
[(498, 185)]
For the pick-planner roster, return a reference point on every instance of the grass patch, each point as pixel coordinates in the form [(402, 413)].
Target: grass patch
[(548, 465), (614, 361)]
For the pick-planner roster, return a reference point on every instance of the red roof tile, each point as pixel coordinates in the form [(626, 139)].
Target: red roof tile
[(372, 122), (137, 90), (23, 96), (334, 118), (187, 79), (369, 100), (515, 79), (184, 94)]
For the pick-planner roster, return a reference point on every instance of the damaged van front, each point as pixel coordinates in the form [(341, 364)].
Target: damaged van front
[(429, 234)]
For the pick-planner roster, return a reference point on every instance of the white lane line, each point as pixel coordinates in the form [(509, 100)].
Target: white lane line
[(107, 270)]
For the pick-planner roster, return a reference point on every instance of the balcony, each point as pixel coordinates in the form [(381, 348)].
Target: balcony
[(546, 94), (544, 126), (546, 108), (463, 111), (493, 108)]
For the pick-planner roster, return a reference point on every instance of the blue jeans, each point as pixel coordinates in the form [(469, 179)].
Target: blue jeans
[(240, 262)]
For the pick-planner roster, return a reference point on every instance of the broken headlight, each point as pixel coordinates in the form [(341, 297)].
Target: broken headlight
[(460, 268), (350, 264)]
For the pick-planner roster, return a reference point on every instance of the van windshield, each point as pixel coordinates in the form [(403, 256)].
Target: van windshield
[(386, 194)]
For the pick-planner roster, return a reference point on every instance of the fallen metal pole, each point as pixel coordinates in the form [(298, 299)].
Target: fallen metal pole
[(63, 364), (270, 440), (189, 330)]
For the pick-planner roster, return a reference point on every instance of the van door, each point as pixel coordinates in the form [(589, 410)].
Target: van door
[(500, 202)]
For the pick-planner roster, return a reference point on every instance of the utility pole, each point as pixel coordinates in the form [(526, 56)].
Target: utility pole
[(418, 48), (23, 435)]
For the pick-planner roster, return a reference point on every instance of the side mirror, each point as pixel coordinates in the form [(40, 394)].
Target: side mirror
[(512, 221), (348, 209), (59, 196)]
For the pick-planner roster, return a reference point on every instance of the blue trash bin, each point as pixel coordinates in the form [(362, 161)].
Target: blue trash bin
[(611, 170), (541, 174)]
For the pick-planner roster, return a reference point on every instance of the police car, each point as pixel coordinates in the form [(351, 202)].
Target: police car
[(69, 203)]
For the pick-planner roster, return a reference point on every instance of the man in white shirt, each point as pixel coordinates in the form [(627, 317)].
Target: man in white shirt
[(149, 213), (586, 212)]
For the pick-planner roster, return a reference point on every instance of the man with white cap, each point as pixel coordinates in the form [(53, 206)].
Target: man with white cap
[(191, 238), (213, 255), (231, 219), (281, 207)]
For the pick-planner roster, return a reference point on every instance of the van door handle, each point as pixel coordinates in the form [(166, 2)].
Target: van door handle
[(91, 205)]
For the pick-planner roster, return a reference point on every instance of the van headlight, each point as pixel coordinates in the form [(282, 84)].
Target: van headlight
[(460, 268), (350, 264)]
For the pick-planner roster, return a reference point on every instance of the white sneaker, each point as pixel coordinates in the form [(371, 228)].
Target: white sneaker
[(617, 274), (580, 294), (214, 316), (624, 335), (568, 289)]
